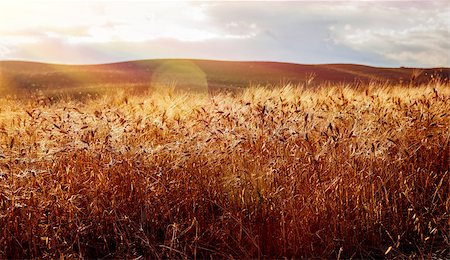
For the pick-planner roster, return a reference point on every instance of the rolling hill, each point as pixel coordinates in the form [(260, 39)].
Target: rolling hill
[(22, 77)]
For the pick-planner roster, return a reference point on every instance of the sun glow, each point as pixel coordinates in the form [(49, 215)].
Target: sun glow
[(103, 22), (43, 29), (37, 26)]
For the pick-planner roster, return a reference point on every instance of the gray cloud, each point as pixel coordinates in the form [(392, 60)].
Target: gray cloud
[(414, 35)]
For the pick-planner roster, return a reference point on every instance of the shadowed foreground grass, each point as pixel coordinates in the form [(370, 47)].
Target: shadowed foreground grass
[(287, 172)]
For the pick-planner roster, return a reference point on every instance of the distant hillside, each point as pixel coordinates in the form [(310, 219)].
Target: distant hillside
[(20, 77)]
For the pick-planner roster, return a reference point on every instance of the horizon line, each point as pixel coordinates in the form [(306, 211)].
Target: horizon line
[(214, 60)]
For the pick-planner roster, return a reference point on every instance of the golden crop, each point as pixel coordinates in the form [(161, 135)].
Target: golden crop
[(284, 172)]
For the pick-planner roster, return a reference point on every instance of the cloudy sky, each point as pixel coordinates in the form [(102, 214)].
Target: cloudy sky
[(379, 33)]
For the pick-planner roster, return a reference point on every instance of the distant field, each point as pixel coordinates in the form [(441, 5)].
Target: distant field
[(23, 77), (331, 172)]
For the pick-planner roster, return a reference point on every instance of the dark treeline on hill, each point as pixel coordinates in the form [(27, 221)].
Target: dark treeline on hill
[(18, 77)]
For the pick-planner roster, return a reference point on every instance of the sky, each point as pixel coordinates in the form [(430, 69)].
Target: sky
[(377, 33)]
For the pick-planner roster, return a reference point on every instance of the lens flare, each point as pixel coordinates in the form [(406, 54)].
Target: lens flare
[(184, 76)]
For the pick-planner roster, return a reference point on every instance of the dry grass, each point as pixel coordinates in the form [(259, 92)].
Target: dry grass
[(284, 172)]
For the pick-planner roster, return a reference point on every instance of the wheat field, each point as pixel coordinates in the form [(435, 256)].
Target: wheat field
[(330, 172)]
